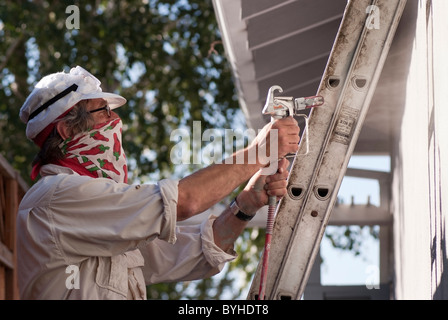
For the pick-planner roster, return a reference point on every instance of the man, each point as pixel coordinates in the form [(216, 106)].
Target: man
[(84, 233)]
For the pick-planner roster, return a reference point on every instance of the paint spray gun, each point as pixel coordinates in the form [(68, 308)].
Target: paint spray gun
[(281, 107), (277, 108)]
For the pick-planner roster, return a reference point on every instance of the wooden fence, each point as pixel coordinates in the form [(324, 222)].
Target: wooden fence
[(12, 189)]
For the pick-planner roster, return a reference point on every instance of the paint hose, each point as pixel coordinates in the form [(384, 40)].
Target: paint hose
[(267, 245)]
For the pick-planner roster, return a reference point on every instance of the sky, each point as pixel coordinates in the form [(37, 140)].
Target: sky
[(343, 268)]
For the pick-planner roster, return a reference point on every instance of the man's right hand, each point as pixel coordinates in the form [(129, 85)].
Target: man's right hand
[(277, 139)]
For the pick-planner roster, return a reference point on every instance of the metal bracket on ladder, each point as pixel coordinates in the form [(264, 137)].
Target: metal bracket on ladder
[(348, 83)]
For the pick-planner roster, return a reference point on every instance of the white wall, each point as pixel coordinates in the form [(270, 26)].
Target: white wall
[(420, 185)]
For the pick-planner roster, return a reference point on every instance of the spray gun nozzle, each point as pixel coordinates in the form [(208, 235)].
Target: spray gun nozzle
[(308, 102)]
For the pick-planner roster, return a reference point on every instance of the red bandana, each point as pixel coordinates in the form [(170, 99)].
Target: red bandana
[(97, 153)]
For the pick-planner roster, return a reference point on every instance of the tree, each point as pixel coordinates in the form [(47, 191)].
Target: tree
[(165, 57)]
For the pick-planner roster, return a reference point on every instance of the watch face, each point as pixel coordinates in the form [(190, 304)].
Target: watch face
[(238, 213)]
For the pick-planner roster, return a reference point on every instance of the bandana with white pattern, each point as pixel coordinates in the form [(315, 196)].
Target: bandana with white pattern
[(98, 152)]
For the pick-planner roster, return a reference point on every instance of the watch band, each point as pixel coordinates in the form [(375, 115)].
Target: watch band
[(238, 213)]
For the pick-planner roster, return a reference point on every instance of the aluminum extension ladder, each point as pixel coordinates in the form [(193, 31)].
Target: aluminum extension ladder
[(348, 83)]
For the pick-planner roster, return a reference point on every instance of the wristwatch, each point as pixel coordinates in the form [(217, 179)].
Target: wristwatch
[(238, 213)]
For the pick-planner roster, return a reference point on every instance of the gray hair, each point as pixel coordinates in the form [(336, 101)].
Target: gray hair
[(77, 120)]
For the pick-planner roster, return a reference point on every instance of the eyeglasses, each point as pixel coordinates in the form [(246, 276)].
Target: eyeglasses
[(106, 107)]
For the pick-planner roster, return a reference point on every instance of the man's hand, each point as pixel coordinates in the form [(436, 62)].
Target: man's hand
[(256, 193), (276, 140), (227, 227)]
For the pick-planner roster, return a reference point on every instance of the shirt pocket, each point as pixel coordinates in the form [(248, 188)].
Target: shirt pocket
[(112, 274)]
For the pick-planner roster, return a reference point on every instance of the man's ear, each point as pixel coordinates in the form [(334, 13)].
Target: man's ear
[(62, 129)]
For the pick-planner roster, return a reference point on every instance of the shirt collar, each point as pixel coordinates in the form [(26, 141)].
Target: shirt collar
[(53, 169)]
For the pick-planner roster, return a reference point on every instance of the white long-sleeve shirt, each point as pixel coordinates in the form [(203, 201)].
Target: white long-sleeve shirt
[(85, 238)]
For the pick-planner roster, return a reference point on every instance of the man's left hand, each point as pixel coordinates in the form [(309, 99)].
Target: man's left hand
[(256, 193)]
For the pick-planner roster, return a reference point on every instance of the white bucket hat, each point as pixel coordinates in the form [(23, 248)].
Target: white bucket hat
[(56, 93)]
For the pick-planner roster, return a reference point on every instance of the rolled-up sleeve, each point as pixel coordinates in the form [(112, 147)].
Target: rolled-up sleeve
[(194, 255), (168, 192)]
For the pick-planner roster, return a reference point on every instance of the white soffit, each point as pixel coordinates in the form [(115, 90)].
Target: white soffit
[(287, 43)]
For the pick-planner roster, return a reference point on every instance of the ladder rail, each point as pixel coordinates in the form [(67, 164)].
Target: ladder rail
[(365, 102), (301, 219)]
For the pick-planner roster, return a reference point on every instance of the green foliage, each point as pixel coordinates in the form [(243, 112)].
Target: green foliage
[(165, 57), (350, 238)]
